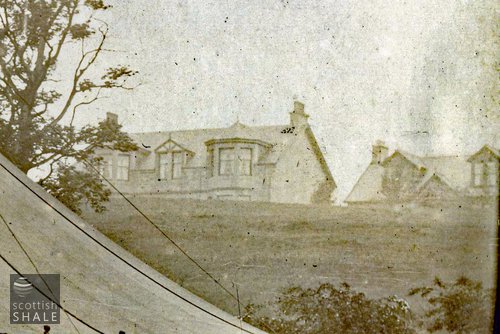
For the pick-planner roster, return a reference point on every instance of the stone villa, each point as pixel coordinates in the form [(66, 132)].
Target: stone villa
[(281, 163), (406, 177)]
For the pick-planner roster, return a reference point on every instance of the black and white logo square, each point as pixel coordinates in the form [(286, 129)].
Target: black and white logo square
[(34, 299)]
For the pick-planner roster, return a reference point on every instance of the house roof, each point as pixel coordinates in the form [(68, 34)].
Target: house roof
[(416, 160), (485, 150), (101, 283), (453, 170), (194, 140), (369, 186)]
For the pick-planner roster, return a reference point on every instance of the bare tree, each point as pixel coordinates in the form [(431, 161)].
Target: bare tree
[(36, 120)]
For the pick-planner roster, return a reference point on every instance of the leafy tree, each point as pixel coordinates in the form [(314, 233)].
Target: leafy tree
[(36, 119), (327, 309), (460, 307)]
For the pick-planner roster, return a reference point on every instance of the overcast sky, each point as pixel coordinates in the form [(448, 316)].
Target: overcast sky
[(407, 72)]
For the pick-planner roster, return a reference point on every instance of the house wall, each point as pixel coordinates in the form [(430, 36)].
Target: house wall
[(297, 177), (299, 174)]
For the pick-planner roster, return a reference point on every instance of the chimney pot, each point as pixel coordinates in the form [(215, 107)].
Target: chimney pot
[(298, 117), (379, 152), (298, 107)]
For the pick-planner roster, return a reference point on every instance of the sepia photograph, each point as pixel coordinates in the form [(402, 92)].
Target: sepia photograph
[(249, 166)]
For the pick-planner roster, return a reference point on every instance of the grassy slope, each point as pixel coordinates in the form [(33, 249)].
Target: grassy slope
[(266, 247)]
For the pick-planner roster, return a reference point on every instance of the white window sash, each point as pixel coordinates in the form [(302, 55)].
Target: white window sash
[(176, 165), (123, 166)]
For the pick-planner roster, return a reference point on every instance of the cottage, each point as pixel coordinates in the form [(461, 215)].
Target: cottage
[(282, 163), (406, 177)]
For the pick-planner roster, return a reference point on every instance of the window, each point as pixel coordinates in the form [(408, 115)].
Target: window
[(492, 171), (176, 165), (122, 168), (170, 165), (245, 161), (477, 173), (105, 167), (164, 161), (226, 159)]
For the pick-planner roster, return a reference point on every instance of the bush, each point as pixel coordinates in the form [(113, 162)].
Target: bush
[(460, 307), (327, 309)]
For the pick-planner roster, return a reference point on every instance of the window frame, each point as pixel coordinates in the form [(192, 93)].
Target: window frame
[(167, 167), (120, 167), (178, 164), (105, 166), (163, 168), (242, 162), (223, 162), (491, 173)]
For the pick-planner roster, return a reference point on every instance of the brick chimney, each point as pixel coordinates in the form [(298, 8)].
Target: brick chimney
[(298, 117), (111, 117), (379, 152)]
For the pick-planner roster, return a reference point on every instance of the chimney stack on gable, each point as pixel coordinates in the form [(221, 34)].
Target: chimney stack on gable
[(112, 117), (379, 152), (298, 117)]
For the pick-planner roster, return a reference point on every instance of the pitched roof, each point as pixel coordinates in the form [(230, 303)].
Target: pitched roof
[(369, 186), (416, 160), (100, 282), (194, 140), (485, 150), (453, 170)]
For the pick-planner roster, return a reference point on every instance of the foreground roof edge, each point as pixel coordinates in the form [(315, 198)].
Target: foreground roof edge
[(87, 231)]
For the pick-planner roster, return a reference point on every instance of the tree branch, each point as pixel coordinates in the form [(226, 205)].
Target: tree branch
[(79, 72)]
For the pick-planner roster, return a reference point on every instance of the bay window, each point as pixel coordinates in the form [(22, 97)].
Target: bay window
[(226, 160), (245, 161)]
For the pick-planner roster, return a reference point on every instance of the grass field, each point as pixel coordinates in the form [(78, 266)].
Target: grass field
[(264, 248)]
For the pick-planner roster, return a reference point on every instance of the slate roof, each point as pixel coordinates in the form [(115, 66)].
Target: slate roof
[(369, 186), (453, 170), (194, 140), (486, 149)]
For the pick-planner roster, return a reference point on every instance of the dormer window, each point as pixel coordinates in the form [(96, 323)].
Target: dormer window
[(484, 174), (477, 174), (245, 161), (233, 156), (176, 165), (492, 174), (170, 165), (235, 161), (226, 161), (171, 160)]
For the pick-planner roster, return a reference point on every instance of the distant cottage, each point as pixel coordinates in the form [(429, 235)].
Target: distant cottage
[(406, 177), (282, 163)]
